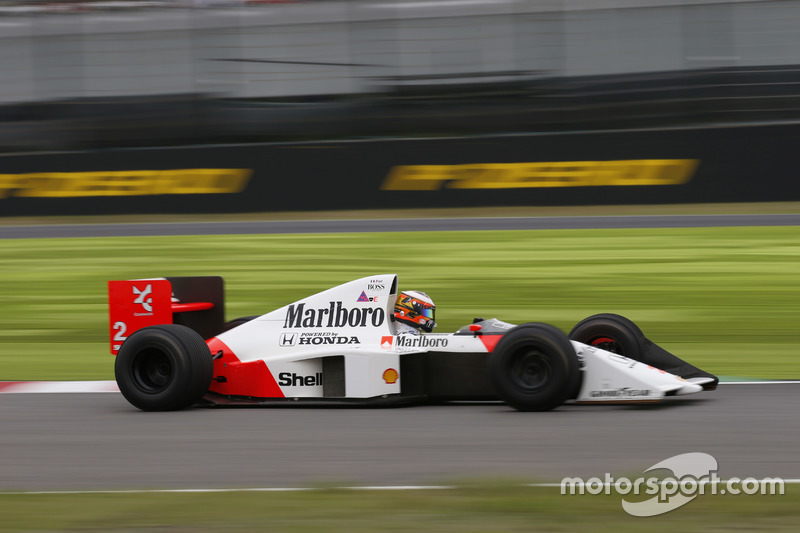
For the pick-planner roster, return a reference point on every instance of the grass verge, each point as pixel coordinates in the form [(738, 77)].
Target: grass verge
[(495, 508)]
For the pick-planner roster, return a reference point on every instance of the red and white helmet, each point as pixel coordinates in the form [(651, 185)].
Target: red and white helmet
[(415, 309)]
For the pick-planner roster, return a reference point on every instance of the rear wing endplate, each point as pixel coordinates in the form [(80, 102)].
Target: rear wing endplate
[(195, 301)]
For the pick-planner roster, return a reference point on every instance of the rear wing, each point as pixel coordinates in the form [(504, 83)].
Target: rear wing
[(195, 301)]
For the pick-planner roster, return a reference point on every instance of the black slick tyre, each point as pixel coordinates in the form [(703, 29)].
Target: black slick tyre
[(613, 333), (164, 368), (617, 334), (534, 367)]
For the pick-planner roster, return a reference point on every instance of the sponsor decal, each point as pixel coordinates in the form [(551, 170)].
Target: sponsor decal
[(144, 298), (376, 285), (124, 182), (624, 392), (333, 316), (290, 379), (329, 340), (316, 339), (539, 174), (390, 376), (387, 342), (327, 337), (365, 298), (288, 339), (421, 341)]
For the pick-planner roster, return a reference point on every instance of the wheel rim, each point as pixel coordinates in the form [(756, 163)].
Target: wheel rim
[(608, 344), (152, 370), (531, 370)]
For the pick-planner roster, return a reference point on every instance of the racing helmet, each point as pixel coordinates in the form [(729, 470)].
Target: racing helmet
[(415, 309)]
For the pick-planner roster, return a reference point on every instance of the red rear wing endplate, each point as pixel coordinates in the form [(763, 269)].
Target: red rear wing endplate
[(136, 304)]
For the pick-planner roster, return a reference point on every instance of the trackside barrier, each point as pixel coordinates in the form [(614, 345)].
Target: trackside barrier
[(723, 164)]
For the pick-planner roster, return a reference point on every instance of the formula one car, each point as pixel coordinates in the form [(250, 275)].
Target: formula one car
[(173, 350)]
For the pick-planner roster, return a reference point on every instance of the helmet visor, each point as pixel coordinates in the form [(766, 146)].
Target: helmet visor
[(428, 312)]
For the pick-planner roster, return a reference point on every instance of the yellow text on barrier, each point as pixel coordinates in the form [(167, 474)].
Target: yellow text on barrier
[(526, 175), (124, 183)]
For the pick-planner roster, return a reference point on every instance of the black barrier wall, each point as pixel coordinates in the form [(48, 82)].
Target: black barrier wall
[(730, 164)]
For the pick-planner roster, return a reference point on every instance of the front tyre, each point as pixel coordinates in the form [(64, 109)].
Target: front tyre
[(164, 368), (617, 334), (613, 333), (534, 367)]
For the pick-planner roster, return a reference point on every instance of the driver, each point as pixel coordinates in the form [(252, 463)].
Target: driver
[(414, 311)]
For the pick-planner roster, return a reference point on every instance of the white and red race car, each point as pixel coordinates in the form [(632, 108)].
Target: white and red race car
[(173, 350)]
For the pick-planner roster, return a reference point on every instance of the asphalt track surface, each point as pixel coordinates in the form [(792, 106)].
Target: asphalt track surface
[(99, 442), (384, 225)]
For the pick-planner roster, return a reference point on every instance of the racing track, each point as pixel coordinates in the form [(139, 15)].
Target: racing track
[(382, 225), (98, 441)]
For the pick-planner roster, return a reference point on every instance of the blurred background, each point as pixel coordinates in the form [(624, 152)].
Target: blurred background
[(94, 74)]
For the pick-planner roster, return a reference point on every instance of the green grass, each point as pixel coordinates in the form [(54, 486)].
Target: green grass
[(726, 299), (501, 508)]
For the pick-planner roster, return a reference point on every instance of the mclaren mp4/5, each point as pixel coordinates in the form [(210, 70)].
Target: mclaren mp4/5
[(173, 350)]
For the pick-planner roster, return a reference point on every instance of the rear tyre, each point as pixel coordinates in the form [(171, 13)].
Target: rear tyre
[(613, 333), (164, 368), (534, 367)]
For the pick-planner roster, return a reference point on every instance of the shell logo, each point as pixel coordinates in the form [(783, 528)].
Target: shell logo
[(390, 376)]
